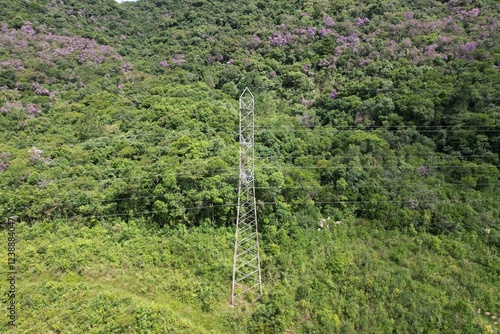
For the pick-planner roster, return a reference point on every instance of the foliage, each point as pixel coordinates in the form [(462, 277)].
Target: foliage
[(381, 116)]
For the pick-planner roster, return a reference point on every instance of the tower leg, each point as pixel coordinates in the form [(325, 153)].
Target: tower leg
[(247, 279)]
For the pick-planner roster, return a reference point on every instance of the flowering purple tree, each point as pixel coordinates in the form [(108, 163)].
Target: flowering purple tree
[(39, 90), (464, 50), (8, 106), (362, 21), (33, 110), (178, 60), (35, 154), (126, 67), (4, 161), (328, 21), (333, 93), (213, 59), (253, 42)]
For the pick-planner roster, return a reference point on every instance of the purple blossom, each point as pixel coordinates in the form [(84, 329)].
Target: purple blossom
[(213, 59), (272, 75), (364, 62), (328, 21), (431, 49), (391, 48), (163, 63), (123, 37), (324, 62), (278, 39), (99, 59), (415, 54), (350, 41), (407, 42), (33, 110), (8, 106), (13, 63), (473, 12), (230, 61), (253, 42), (120, 86), (28, 29), (49, 47), (35, 153), (82, 57), (4, 161), (39, 90), (466, 48), (333, 93), (362, 21), (324, 31), (178, 60), (312, 31), (301, 31), (444, 39), (408, 15), (126, 67)]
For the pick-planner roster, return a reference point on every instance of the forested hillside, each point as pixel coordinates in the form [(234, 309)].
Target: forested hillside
[(119, 156)]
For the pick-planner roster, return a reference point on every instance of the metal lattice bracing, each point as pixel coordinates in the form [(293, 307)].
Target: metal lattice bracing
[(247, 282)]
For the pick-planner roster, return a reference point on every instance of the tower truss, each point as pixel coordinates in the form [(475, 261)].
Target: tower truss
[(247, 281)]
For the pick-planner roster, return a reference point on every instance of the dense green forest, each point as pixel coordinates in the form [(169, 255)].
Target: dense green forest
[(119, 156)]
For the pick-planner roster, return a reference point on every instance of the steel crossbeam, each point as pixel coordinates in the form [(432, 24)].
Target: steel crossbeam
[(246, 245)]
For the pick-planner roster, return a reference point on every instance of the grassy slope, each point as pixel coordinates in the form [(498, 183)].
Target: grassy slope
[(110, 279), (116, 278)]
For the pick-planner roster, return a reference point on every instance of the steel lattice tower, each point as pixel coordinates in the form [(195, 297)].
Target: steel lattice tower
[(247, 282)]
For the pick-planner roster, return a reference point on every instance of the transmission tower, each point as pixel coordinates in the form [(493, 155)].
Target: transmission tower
[(247, 282)]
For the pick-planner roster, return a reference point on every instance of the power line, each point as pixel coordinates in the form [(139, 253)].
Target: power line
[(260, 203), (311, 130), (231, 172), (264, 129), (229, 167), (395, 127), (68, 204), (442, 155)]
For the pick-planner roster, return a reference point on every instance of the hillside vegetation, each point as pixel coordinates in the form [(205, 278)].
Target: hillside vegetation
[(119, 155)]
